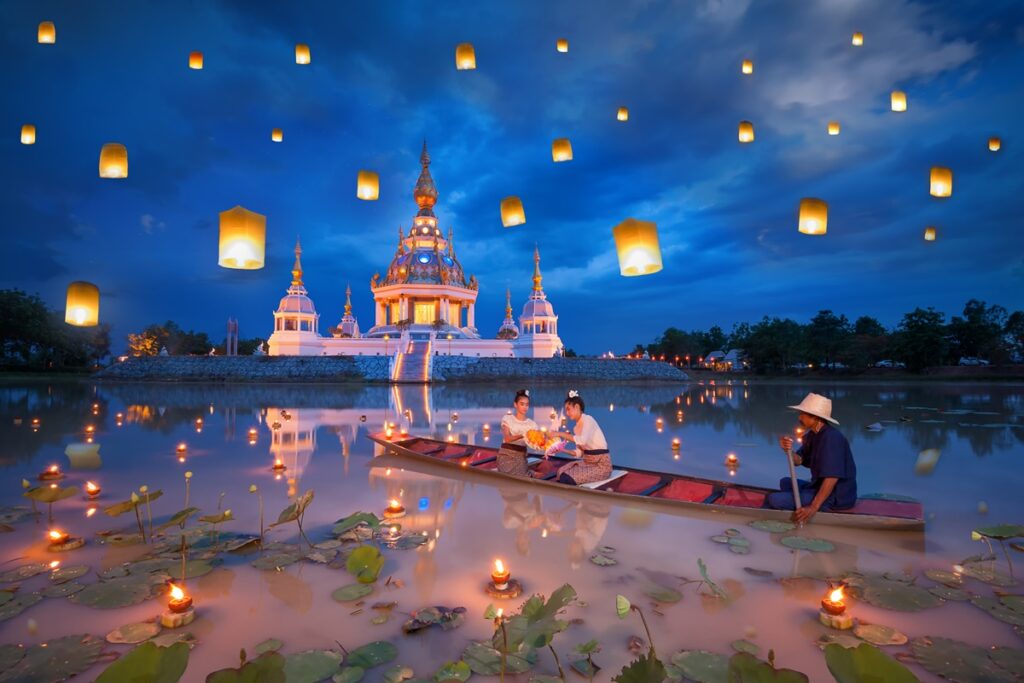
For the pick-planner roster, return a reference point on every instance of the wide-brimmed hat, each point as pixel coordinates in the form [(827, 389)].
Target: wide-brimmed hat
[(818, 406)]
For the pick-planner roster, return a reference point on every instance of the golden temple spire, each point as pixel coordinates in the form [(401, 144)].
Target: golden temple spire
[(536, 269), (425, 192), (297, 268), (451, 242), (348, 299), (508, 303)]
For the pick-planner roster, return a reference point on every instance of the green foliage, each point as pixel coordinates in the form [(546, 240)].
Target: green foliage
[(267, 668), (716, 590), (354, 520), (372, 654), (294, 512), (645, 669), (865, 664), (47, 494), (34, 337), (453, 671), (365, 563), (537, 623), (128, 505), (622, 606), (746, 668), (179, 517), (920, 339), (148, 663), (1002, 532)]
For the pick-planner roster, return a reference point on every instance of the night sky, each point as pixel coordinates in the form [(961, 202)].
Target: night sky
[(383, 78)]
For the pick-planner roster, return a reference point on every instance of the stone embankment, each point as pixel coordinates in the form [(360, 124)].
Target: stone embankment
[(375, 369)]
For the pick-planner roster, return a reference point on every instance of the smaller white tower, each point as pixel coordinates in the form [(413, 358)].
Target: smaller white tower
[(538, 337), (296, 321), (349, 326), (508, 329)]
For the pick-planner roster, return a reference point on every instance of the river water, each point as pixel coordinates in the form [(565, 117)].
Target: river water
[(958, 448)]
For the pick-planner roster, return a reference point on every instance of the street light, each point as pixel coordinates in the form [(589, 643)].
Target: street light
[(386, 338), (449, 344)]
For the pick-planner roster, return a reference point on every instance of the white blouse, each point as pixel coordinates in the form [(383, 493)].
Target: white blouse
[(588, 434), (517, 427)]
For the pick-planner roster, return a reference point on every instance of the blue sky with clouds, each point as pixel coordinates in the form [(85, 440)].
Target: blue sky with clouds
[(382, 78)]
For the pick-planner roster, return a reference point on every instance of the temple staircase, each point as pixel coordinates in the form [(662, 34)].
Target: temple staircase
[(413, 364)]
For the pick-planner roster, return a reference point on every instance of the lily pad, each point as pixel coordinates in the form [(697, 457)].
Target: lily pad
[(10, 655), (945, 578), (1009, 658), (196, 568), (398, 673), (762, 573), (23, 572), (16, 513), (739, 549), (746, 646), (177, 635), (987, 572), (276, 560), (353, 520), (958, 661), (311, 666), (1000, 610), (1002, 532), (720, 539), (702, 666), (747, 668), (644, 669), (772, 526), (134, 633), (114, 593), (129, 505), (838, 638), (62, 574), (952, 594), (453, 671), (55, 660), (148, 662), (583, 666), (485, 660), (17, 604), (439, 615), (716, 590), (865, 663), (179, 517), (372, 654), (410, 541), (267, 668), (877, 634), (895, 595), (50, 494), (352, 592), (603, 560), (268, 645), (660, 593), (365, 563), (348, 674), (295, 510), (63, 590), (818, 545)]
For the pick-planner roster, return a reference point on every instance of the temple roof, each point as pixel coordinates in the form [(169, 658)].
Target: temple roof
[(537, 305), (296, 300)]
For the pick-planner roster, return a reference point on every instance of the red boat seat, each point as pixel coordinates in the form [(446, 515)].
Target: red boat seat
[(743, 498), (632, 482), (683, 489)]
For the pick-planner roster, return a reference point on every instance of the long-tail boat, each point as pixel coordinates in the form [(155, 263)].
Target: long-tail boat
[(882, 512)]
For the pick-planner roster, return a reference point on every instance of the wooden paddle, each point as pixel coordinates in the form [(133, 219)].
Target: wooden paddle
[(792, 478)]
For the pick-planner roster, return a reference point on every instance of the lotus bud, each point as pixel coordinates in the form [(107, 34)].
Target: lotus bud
[(135, 497), (188, 475), (143, 489), (975, 536), (252, 488), (227, 514), (25, 484)]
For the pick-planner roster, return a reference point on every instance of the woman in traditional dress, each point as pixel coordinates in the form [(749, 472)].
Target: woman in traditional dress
[(595, 463), (512, 454)]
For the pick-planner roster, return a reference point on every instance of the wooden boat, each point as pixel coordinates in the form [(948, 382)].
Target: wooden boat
[(661, 488)]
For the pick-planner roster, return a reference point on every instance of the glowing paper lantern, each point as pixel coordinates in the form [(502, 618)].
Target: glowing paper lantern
[(929, 234), (899, 100), (858, 39), (746, 132), (623, 114), (465, 56), (637, 245), (833, 128), (813, 216), (195, 60), (114, 161), (994, 144), (747, 67), (28, 134), (47, 33), (277, 135), (561, 150), (368, 185), (301, 53), (941, 182), (512, 212), (82, 308), (562, 45), (243, 239)]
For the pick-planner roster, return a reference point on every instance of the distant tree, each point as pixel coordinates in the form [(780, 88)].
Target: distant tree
[(25, 327), (827, 335), (979, 332), (716, 339), (774, 344), (739, 336), (246, 347), (142, 344), (1013, 332), (569, 353), (920, 339), (870, 344), (868, 326)]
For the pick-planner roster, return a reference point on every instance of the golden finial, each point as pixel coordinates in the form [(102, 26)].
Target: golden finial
[(508, 303), (536, 269), (297, 268), (348, 299), (451, 242)]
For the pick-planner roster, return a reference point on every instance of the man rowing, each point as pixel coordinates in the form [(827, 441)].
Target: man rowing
[(826, 452)]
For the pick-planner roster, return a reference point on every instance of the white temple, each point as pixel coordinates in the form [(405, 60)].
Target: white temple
[(424, 305)]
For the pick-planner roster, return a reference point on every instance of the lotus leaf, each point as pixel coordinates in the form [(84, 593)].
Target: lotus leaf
[(876, 634), (715, 588), (945, 578), (556, 679), (18, 604), (1002, 532), (865, 663), (440, 615), (348, 674), (818, 545), (219, 518), (762, 573), (55, 660), (134, 633), (50, 494), (603, 560), (16, 513), (1009, 658), (123, 539), (353, 520), (397, 674), (6, 528), (372, 654), (838, 638), (272, 561), (10, 655), (746, 668), (1000, 610), (6, 596), (311, 666), (62, 574), (772, 526), (114, 572), (23, 572), (409, 541), (168, 638), (267, 668), (662, 593), (720, 539), (947, 593), (894, 595), (606, 549), (268, 645), (63, 590), (153, 564), (739, 549), (642, 670), (746, 646), (179, 517), (486, 661), (149, 663), (129, 505), (702, 666), (295, 510), (365, 563), (958, 661), (357, 534), (987, 572), (453, 671), (738, 540), (585, 667), (352, 592), (114, 593)]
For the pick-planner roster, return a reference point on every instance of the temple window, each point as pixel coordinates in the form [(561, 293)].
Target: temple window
[(424, 312)]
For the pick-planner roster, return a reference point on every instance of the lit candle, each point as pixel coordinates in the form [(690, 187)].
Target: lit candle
[(732, 461), (403, 432), (675, 444), (500, 575), (179, 602), (833, 602), (833, 610), (394, 509), (89, 429), (58, 537), (659, 422), (252, 432), (92, 489), (278, 465), (182, 448), (388, 433), (487, 427), (451, 438), (51, 472)]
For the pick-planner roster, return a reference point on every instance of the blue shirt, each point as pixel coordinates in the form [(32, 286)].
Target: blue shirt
[(827, 454)]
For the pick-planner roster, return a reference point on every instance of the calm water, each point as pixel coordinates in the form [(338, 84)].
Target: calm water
[(958, 448)]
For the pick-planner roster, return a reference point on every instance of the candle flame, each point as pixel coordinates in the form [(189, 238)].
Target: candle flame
[(394, 503), (56, 535), (836, 595), (177, 593), (501, 610), (91, 487), (499, 567), (54, 564), (54, 469), (278, 462), (90, 512)]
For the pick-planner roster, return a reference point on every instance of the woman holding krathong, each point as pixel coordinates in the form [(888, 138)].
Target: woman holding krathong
[(595, 462), (514, 426)]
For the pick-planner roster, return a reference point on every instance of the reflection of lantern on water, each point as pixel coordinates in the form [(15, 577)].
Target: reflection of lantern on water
[(465, 57), (898, 100), (50, 473), (302, 55), (746, 131), (747, 66), (47, 33), (367, 185), (512, 212), (28, 134), (941, 182), (113, 160), (82, 306), (182, 448), (195, 60), (243, 239), (676, 445), (622, 114), (813, 216), (926, 461), (561, 150), (636, 243), (500, 575)]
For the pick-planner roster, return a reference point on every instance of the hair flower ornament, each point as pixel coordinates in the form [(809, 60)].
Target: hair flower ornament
[(573, 393), (526, 393)]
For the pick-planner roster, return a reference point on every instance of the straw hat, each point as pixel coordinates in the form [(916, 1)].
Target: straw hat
[(818, 406)]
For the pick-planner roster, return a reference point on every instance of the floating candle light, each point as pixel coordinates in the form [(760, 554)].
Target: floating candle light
[(58, 537), (51, 472), (388, 433), (179, 610), (394, 510), (403, 432), (732, 461), (182, 447), (833, 610), (90, 512), (179, 601), (92, 489), (675, 444), (36, 422), (451, 438), (278, 465), (500, 575)]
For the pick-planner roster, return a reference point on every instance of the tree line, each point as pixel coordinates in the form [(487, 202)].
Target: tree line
[(33, 337), (923, 338), (178, 342)]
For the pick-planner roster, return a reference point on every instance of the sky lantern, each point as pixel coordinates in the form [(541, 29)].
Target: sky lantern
[(301, 53), (637, 245), (941, 184), (899, 100), (813, 216), (747, 66), (28, 134), (277, 135), (465, 56), (746, 132), (562, 45), (368, 185), (561, 150), (858, 39), (114, 161), (82, 307), (243, 239), (929, 234), (833, 128), (512, 212), (623, 114), (47, 33), (195, 60), (993, 144)]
